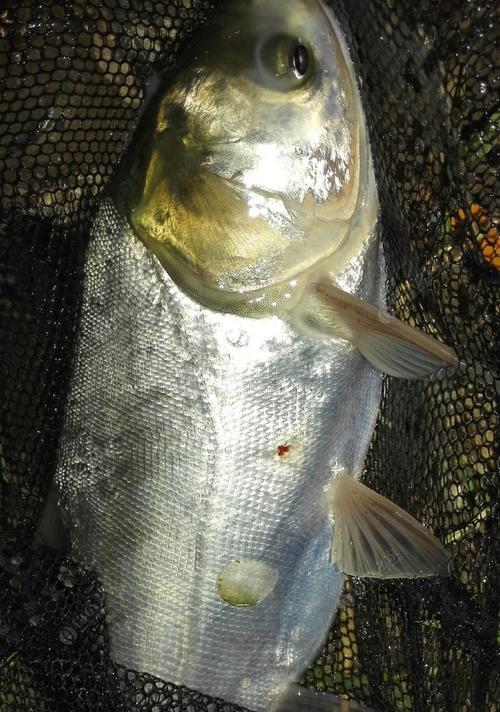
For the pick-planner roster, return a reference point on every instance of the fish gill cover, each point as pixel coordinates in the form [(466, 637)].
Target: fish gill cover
[(73, 78)]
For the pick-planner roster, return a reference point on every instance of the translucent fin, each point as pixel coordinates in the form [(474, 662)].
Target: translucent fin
[(389, 344), (298, 699), (374, 537)]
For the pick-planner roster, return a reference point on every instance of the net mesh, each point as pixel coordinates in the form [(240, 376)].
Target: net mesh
[(73, 77)]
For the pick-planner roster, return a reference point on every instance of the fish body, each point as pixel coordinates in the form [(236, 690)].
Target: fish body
[(215, 400), (170, 470)]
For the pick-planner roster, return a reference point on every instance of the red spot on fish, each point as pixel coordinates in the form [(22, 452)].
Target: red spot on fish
[(283, 450)]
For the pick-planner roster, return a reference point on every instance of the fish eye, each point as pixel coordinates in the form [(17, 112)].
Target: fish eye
[(284, 62), (299, 60)]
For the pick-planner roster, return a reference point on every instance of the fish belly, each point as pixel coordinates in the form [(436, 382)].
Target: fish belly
[(192, 440)]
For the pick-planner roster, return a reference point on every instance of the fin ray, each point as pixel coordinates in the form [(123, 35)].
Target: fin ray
[(389, 344), (374, 537)]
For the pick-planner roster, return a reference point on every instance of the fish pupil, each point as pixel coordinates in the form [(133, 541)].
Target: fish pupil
[(300, 60)]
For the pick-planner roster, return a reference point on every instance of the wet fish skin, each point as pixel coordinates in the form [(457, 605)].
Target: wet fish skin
[(169, 470)]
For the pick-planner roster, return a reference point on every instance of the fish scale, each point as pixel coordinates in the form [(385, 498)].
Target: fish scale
[(176, 413)]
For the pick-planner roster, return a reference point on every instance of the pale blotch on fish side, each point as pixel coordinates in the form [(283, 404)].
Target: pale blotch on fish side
[(219, 391), (246, 582)]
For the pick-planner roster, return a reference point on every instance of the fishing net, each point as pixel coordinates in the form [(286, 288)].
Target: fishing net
[(73, 77)]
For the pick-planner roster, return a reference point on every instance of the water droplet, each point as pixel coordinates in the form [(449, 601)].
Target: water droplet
[(295, 634), (238, 338)]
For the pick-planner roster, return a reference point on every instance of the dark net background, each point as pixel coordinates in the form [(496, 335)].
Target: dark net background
[(72, 81)]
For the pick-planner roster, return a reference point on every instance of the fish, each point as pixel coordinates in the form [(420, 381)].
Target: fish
[(229, 361)]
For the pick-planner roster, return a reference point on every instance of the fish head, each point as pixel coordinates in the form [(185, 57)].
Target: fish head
[(252, 165)]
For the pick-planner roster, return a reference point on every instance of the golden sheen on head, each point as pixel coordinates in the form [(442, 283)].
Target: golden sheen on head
[(252, 164)]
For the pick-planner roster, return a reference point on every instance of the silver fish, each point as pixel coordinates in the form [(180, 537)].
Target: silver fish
[(220, 408)]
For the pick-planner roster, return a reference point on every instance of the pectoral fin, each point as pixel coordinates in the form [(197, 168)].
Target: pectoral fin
[(374, 537), (389, 344)]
